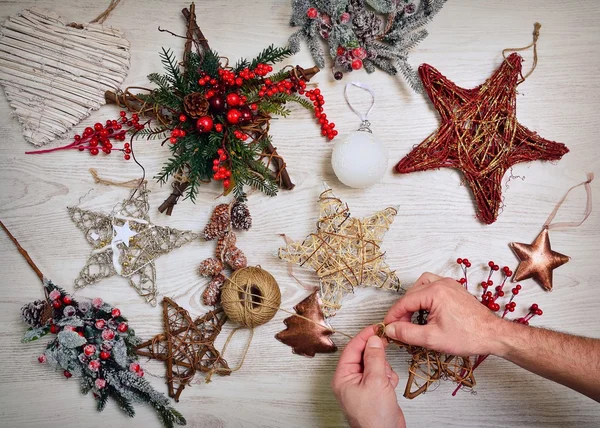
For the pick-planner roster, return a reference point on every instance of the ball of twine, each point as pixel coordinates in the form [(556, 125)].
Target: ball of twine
[(250, 297)]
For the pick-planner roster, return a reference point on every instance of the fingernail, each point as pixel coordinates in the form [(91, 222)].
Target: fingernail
[(390, 331), (374, 342), (388, 372)]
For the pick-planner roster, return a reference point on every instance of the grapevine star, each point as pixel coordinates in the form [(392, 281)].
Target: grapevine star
[(345, 251), (131, 258), (479, 134)]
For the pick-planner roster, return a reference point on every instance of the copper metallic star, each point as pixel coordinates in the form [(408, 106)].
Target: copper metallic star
[(479, 134), (537, 260)]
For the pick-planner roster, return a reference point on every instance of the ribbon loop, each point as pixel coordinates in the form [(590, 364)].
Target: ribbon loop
[(365, 124), (588, 206)]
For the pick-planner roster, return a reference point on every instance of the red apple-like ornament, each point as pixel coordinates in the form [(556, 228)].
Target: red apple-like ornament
[(204, 124)]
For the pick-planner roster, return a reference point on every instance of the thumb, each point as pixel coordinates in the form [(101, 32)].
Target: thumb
[(374, 362), (408, 332)]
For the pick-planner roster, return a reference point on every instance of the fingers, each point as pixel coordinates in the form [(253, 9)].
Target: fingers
[(374, 360), (396, 312), (411, 302), (424, 279), (410, 333), (352, 356)]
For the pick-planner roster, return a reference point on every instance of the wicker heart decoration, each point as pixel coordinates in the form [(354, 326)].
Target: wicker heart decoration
[(54, 73)]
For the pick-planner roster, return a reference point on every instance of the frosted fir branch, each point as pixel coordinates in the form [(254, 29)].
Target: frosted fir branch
[(411, 76), (294, 41), (382, 6), (369, 66), (70, 339), (299, 8)]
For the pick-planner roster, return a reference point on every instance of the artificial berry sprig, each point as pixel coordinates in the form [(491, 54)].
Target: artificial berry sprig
[(98, 139), (221, 172), (490, 300)]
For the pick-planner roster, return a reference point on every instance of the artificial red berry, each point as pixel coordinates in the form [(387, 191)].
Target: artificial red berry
[(57, 304), (462, 280), (204, 124), (104, 355), (218, 127), (534, 307), (127, 157), (459, 261), (98, 126), (357, 64), (518, 286), (94, 151), (115, 313), (67, 374), (226, 183), (173, 140), (233, 116), (182, 118), (123, 327), (67, 300), (233, 99), (495, 267), (54, 329)]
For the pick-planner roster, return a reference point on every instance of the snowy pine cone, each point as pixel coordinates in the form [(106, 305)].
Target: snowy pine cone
[(218, 223), (212, 292), (210, 267), (224, 243), (240, 216), (235, 258), (35, 313)]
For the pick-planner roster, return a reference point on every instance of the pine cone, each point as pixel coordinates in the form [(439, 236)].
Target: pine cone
[(235, 258), (218, 223), (212, 292), (210, 267), (240, 216), (195, 105), (36, 313), (225, 242)]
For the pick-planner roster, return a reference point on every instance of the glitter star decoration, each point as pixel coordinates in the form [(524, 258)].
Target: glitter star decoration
[(537, 260), (345, 252), (479, 134), (126, 243), (186, 346)]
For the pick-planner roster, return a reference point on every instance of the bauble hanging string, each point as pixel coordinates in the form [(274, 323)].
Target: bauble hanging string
[(360, 159)]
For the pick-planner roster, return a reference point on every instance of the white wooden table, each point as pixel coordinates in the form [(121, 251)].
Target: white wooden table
[(435, 223)]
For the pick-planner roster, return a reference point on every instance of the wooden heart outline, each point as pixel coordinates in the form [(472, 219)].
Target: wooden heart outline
[(54, 75)]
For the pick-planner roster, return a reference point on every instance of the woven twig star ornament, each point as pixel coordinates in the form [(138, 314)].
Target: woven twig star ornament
[(345, 251), (186, 346), (134, 259), (479, 134)]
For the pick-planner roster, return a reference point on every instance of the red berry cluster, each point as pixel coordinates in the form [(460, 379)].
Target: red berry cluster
[(176, 134), (296, 85), (221, 172), (312, 13), (99, 137)]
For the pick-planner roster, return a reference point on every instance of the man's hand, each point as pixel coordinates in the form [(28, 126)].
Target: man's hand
[(457, 323), (364, 384)]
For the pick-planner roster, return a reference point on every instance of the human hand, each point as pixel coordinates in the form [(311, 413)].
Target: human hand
[(365, 384), (457, 323)]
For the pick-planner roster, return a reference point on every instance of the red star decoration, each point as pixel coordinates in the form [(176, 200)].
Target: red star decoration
[(479, 134)]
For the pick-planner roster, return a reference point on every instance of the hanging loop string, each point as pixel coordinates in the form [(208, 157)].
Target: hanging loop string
[(588, 206), (104, 15), (536, 36), (365, 124)]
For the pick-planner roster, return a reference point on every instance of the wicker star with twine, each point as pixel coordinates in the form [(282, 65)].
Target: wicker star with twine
[(134, 259), (186, 346), (479, 134), (345, 252)]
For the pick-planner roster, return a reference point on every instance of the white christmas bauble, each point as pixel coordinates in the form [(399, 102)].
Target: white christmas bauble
[(360, 159)]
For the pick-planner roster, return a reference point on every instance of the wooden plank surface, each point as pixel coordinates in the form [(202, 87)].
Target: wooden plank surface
[(435, 224)]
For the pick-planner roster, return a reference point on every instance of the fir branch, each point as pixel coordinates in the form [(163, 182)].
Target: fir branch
[(271, 55), (170, 63)]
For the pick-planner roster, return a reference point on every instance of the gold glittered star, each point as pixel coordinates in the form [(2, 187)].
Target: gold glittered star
[(345, 251), (132, 259), (538, 260)]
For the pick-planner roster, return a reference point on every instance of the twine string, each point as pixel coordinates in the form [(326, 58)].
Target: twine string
[(536, 35), (588, 206), (365, 124), (104, 15)]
